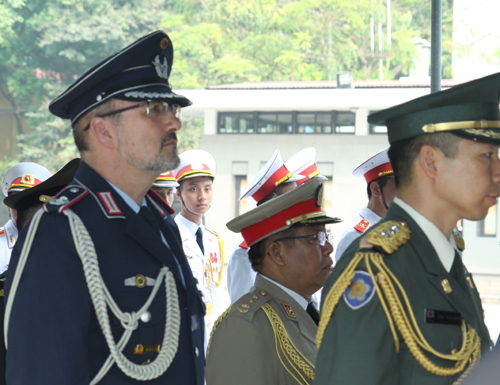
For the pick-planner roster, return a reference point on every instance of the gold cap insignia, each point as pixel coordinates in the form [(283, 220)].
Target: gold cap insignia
[(28, 179), (196, 166)]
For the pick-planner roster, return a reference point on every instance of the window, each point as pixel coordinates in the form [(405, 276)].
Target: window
[(488, 226), (240, 186), (345, 123), (377, 130), (275, 122)]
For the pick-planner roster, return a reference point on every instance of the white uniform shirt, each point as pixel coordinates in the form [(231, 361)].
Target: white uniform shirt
[(350, 234), (8, 239), (206, 267), (240, 275)]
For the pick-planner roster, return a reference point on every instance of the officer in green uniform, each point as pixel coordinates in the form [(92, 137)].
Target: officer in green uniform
[(400, 307), (267, 337)]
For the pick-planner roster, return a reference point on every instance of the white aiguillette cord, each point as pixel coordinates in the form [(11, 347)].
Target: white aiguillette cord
[(101, 299)]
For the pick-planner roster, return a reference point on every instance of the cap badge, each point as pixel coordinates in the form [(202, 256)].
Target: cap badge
[(28, 179), (164, 43), (319, 196), (161, 68), (196, 166)]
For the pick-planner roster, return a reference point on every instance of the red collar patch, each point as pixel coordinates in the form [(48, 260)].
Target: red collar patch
[(109, 203), (362, 225)]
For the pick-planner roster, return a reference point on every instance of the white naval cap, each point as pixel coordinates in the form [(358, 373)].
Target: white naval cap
[(195, 163), (22, 176), (166, 179), (375, 167), (304, 163), (268, 178)]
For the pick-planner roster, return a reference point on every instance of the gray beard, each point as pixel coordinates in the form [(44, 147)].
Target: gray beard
[(156, 163)]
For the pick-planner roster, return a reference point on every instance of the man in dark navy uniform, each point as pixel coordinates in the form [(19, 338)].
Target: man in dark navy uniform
[(102, 292)]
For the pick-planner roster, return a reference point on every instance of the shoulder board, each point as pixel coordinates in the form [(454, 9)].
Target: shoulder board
[(211, 231), (362, 225), (459, 241), (244, 245), (390, 236), (159, 200), (250, 303), (2, 230), (67, 197)]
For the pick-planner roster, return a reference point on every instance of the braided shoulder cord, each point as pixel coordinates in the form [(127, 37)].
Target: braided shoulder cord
[(288, 349), (217, 322)]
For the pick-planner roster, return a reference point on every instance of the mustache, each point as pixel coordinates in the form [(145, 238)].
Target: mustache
[(168, 137)]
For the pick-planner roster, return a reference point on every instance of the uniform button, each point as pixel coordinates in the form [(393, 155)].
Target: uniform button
[(146, 316), (196, 352)]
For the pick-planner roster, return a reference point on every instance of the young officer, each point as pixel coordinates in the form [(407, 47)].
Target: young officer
[(165, 186), (203, 247)]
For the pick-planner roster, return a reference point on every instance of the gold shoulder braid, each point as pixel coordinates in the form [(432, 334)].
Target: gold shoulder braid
[(221, 247), (216, 323), (297, 361), (390, 236)]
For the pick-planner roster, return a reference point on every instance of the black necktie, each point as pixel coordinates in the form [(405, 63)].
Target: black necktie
[(457, 271), (313, 312), (199, 240), (148, 216)]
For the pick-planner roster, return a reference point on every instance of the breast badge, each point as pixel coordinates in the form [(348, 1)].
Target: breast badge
[(360, 291)]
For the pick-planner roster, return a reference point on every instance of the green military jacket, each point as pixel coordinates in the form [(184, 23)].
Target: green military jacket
[(264, 338), (359, 346)]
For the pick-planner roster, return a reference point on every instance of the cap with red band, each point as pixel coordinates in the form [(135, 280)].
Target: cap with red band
[(301, 205), (195, 163), (268, 178), (375, 167), (22, 176), (304, 163), (166, 179)]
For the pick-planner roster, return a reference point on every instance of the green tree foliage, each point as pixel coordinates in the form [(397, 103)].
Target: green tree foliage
[(46, 44)]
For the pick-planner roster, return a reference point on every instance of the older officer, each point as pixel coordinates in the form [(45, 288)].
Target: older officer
[(381, 190), (400, 307), (203, 247), (165, 185), (18, 178), (267, 336), (102, 293)]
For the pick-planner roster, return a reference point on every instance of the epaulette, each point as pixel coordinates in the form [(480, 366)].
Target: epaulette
[(362, 225), (67, 197), (459, 241), (2, 231), (244, 245), (390, 236)]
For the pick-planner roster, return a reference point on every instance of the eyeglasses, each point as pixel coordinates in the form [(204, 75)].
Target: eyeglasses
[(322, 238), (153, 109)]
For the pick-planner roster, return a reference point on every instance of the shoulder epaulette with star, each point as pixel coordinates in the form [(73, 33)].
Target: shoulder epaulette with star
[(362, 225), (390, 236)]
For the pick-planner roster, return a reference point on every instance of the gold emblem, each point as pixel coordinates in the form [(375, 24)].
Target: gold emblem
[(459, 242), (164, 43), (44, 198), (288, 310), (245, 305), (470, 282), (319, 197), (139, 349), (263, 292), (28, 179), (390, 235), (256, 297), (196, 166), (12, 240), (1, 293), (243, 311), (147, 349), (446, 286), (140, 281), (209, 308)]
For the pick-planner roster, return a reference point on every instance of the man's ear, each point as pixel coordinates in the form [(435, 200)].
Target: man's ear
[(375, 189), (103, 131), (275, 251), (428, 160)]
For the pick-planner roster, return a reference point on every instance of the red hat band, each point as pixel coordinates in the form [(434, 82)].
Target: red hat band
[(185, 171), (259, 230), (309, 172), (379, 171), (279, 176), (26, 181)]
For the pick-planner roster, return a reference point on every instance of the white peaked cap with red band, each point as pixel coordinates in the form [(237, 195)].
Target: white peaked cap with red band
[(22, 176), (304, 163), (375, 167), (268, 178), (195, 163), (166, 179)]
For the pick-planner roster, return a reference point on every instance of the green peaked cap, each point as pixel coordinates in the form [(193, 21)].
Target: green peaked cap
[(469, 110)]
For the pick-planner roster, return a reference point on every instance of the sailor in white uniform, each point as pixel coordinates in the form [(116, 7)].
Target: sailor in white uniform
[(17, 178), (165, 186), (274, 179), (381, 190), (203, 247)]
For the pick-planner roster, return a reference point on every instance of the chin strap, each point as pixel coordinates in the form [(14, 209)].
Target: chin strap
[(102, 299), (189, 211), (382, 195)]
